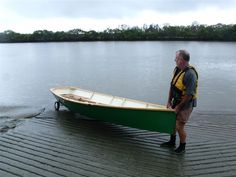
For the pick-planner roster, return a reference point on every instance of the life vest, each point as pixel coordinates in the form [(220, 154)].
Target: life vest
[(177, 85)]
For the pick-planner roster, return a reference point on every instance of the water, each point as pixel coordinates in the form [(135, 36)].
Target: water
[(138, 70)]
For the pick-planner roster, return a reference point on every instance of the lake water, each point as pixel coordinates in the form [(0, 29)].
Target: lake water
[(138, 70)]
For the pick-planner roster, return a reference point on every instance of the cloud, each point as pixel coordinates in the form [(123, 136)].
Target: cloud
[(105, 8), (62, 15), (70, 8)]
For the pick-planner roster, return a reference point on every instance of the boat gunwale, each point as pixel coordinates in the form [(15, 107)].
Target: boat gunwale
[(106, 105)]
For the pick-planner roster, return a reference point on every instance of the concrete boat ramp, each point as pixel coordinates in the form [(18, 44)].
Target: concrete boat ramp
[(55, 144)]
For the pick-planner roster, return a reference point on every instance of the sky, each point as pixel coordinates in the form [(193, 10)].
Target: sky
[(27, 16)]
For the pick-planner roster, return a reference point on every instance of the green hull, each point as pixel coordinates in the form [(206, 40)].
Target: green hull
[(153, 120)]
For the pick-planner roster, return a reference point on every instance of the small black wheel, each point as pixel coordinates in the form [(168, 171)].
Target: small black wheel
[(57, 105)]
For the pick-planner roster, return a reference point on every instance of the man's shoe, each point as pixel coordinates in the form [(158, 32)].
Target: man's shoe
[(180, 149), (168, 144)]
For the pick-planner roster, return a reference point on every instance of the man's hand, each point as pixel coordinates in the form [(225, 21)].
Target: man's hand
[(169, 105)]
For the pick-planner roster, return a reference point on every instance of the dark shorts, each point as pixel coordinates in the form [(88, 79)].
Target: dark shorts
[(184, 115)]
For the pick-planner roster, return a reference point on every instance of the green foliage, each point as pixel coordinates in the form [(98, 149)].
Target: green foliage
[(218, 32)]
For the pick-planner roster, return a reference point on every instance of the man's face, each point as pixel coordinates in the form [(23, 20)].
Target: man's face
[(178, 60)]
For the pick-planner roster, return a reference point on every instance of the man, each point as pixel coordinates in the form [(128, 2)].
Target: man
[(182, 97)]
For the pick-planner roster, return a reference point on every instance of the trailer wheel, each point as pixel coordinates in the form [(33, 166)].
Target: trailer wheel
[(57, 105)]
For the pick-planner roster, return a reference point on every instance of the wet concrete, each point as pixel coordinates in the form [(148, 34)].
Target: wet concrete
[(63, 144)]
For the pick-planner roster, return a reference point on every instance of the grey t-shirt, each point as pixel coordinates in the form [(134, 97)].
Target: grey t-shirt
[(190, 82)]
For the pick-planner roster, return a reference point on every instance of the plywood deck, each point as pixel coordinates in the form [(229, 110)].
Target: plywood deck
[(61, 144)]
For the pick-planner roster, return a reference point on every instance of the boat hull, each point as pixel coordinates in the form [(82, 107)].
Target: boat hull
[(153, 120)]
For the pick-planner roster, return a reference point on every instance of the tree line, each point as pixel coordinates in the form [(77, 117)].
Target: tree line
[(194, 32)]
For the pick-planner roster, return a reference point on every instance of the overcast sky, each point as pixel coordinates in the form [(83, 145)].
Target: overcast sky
[(26, 16)]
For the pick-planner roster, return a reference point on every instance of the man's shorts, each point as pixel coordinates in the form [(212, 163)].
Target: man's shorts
[(184, 115)]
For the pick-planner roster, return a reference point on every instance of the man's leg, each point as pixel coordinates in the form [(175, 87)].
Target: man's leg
[(182, 118), (182, 133), (171, 143), (182, 137)]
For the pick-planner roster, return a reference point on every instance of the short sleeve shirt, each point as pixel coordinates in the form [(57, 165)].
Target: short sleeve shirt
[(190, 82)]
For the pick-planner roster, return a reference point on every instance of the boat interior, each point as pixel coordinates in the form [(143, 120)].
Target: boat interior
[(89, 97)]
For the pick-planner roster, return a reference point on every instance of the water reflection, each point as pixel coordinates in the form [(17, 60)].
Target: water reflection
[(138, 70)]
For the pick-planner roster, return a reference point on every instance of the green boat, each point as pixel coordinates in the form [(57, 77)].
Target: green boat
[(117, 110)]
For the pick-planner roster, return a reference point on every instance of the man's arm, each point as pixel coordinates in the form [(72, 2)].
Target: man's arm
[(185, 100), (170, 97)]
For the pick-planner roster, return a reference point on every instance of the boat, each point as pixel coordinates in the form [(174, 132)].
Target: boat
[(116, 110)]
